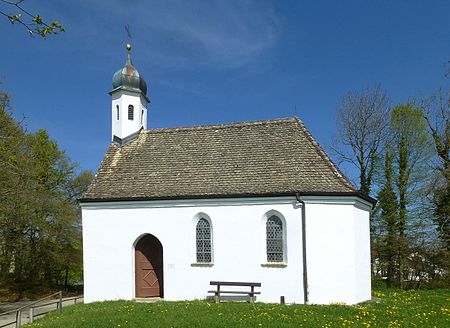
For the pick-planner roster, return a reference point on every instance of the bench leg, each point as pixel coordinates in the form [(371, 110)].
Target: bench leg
[(217, 298)]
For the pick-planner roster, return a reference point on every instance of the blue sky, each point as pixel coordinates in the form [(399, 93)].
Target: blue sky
[(208, 62)]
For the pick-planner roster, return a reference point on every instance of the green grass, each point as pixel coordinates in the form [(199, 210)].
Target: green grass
[(426, 308)]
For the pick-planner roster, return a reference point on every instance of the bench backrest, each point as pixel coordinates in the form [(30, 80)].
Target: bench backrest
[(235, 283)]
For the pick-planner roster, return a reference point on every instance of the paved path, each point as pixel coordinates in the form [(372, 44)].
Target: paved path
[(4, 319)]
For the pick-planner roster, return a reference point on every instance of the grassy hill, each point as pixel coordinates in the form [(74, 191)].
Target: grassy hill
[(427, 308)]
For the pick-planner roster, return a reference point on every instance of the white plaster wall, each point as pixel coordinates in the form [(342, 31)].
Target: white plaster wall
[(239, 250), (362, 254), (124, 127), (338, 257)]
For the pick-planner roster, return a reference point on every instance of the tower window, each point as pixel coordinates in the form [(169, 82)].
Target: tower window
[(130, 112), (117, 112)]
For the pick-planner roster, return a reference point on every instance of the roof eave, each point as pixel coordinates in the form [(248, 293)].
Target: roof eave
[(131, 90), (244, 195)]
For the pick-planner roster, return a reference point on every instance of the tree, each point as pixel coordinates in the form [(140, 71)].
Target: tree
[(362, 121), (403, 240), (12, 174), (412, 151), (72, 256), (437, 109), (414, 144), (40, 235), (34, 23), (4, 101), (389, 215)]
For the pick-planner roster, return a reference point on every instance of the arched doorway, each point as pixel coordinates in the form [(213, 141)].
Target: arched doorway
[(149, 267)]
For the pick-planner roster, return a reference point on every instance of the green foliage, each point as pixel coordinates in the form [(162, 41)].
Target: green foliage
[(401, 255), (33, 23), (40, 236), (412, 149), (429, 308), (442, 214), (389, 214), (438, 119), (410, 227), (43, 29)]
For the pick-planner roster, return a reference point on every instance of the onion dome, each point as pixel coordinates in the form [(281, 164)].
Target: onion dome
[(128, 77)]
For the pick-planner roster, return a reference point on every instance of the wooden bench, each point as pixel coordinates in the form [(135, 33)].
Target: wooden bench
[(250, 293)]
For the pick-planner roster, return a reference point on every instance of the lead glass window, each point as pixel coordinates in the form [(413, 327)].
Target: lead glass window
[(274, 239), (203, 239), (130, 112)]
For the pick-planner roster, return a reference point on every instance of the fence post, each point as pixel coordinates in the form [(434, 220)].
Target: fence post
[(60, 301), (18, 318), (31, 314)]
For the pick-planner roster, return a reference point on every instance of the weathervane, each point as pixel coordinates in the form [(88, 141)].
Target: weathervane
[(127, 29)]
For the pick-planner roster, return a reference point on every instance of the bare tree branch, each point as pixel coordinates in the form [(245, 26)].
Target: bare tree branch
[(362, 121)]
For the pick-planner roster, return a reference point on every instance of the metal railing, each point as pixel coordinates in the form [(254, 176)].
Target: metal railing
[(32, 308)]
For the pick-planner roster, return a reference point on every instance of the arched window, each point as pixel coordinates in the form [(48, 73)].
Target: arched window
[(130, 112), (203, 239), (274, 239), (117, 112)]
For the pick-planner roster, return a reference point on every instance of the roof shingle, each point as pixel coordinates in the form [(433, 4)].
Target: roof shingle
[(250, 158)]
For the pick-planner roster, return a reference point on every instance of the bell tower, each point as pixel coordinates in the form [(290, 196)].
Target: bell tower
[(129, 102)]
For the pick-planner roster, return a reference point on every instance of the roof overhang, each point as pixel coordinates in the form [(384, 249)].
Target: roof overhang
[(135, 90), (369, 199)]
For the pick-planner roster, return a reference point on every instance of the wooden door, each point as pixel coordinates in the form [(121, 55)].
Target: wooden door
[(149, 267)]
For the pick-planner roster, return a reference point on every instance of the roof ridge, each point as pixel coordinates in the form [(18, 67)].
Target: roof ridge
[(224, 125)]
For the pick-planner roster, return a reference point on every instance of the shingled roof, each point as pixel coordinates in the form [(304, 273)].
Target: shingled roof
[(275, 157)]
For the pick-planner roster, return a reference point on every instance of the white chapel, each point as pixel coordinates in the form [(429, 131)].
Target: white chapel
[(172, 209)]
